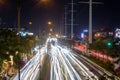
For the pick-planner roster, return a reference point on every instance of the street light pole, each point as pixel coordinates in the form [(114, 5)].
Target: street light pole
[(90, 17), (65, 21), (90, 22), (19, 8), (72, 19)]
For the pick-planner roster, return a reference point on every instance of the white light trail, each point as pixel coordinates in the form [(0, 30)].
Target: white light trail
[(32, 68), (63, 64)]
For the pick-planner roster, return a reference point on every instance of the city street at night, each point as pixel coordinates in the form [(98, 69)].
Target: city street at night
[(56, 62), (63, 65), (59, 39)]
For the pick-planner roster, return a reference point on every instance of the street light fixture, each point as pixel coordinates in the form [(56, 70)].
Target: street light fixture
[(43, 1), (57, 35), (49, 34), (51, 29), (2, 2), (30, 23), (49, 22)]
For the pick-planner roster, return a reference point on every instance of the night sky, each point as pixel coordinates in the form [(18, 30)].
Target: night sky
[(104, 15)]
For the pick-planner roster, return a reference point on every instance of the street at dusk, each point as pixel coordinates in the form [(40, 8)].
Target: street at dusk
[(59, 40)]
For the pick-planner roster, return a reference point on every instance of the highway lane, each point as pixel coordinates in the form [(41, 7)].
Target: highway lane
[(93, 67), (31, 69), (59, 62), (65, 66), (45, 70), (88, 64)]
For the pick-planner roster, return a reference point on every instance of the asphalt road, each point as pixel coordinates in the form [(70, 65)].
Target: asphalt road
[(56, 62), (93, 67), (45, 70)]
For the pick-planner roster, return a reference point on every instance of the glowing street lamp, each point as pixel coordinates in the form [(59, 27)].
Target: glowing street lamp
[(44, 1), (51, 29), (57, 35), (49, 22), (30, 23), (49, 34)]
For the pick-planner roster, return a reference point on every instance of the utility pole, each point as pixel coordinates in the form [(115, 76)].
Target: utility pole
[(71, 20), (19, 8), (65, 21), (90, 22), (90, 17), (19, 3), (72, 7)]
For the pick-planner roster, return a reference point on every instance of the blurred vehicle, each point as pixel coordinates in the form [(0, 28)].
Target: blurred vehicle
[(48, 46), (53, 41)]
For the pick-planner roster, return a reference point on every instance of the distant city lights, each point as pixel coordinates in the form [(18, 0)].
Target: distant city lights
[(85, 30), (82, 35), (25, 33), (117, 33)]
